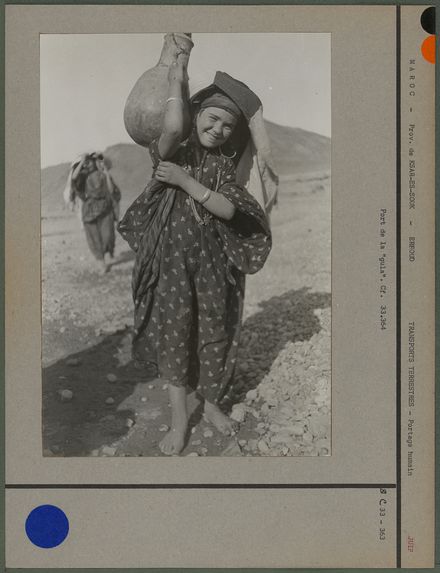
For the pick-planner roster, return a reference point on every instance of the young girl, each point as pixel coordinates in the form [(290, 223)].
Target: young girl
[(195, 232)]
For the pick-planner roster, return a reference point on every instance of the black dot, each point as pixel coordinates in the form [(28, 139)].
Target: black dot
[(427, 20)]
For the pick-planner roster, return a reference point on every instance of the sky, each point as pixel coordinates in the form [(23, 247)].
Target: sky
[(86, 78)]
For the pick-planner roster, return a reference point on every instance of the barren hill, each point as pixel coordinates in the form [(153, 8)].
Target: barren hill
[(295, 151), (298, 151)]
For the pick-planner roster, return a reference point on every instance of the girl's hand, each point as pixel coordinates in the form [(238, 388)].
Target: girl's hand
[(167, 172)]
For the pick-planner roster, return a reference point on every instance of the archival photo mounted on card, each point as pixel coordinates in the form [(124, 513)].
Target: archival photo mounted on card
[(219, 294), (201, 327)]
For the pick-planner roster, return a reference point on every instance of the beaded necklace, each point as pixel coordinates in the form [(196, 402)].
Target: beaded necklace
[(206, 217)]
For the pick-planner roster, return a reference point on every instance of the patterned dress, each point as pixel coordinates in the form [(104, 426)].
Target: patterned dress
[(188, 278)]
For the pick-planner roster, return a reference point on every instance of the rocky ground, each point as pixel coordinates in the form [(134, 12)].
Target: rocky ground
[(96, 403)]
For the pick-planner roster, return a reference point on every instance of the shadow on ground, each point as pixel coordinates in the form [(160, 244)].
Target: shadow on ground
[(286, 318), (105, 409), (96, 414)]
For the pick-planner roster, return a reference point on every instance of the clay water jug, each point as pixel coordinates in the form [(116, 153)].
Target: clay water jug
[(145, 105)]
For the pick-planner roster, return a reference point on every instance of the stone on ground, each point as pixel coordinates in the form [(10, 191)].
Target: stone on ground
[(66, 395)]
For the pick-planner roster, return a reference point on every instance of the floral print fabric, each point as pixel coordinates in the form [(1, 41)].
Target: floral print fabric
[(188, 278)]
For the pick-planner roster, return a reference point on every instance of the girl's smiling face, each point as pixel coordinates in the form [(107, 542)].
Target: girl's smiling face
[(214, 126)]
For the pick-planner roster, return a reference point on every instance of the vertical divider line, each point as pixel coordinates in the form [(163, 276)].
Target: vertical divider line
[(398, 295)]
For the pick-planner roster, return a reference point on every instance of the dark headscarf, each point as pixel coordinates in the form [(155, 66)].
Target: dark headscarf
[(221, 101)]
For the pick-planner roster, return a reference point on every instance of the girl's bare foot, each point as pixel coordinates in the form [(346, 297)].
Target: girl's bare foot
[(223, 424), (174, 441)]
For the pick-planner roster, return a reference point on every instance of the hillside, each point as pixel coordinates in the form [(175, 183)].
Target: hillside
[(295, 152), (298, 151)]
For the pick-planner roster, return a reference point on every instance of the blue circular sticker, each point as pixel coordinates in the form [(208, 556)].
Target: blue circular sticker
[(47, 526)]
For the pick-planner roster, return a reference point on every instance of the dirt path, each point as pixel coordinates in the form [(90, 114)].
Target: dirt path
[(96, 402)]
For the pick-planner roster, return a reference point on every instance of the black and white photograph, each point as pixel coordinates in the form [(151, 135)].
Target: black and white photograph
[(186, 244)]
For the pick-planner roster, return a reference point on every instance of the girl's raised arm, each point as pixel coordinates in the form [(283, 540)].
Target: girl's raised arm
[(177, 119)]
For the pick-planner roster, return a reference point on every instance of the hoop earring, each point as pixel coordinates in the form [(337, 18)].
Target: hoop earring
[(227, 156)]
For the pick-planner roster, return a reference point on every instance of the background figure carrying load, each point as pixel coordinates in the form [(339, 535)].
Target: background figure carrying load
[(196, 232), (90, 181)]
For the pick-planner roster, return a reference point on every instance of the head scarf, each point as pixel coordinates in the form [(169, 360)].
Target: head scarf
[(221, 101), (69, 191)]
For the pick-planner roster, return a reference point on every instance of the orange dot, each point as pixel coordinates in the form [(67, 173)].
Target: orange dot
[(428, 49)]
